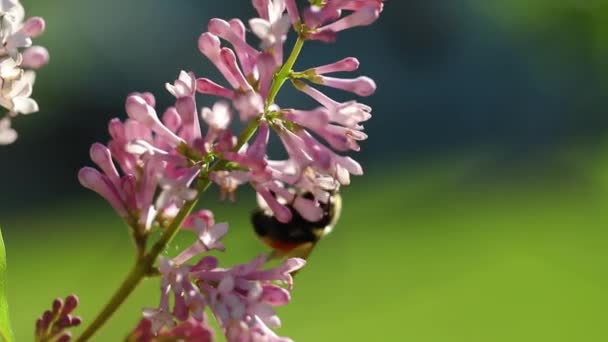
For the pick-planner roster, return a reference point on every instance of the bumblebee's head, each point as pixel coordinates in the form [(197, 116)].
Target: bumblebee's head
[(298, 237)]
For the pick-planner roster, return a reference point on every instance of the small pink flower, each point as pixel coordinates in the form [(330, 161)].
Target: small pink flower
[(272, 26), (217, 118), (327, 20), (233, 33), (344, 65), (362, 86), (349, 114), (177, 191), (159, 319), (361, 17), (249, 104), (139, 110), (35, 57), (209, 238)]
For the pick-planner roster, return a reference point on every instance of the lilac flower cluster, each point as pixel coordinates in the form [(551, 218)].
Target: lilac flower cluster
[(154, 167), (52, 325), (17, 65), (241, 298)]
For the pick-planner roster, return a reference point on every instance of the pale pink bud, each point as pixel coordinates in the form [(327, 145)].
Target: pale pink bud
[(362, 17), (248, 62), (101, 156), (229, 59), (116, 129), (362, 86), (206, 86), (172, 119), (139, 110), (237, 27), (94, 180), (223, 29), (346, 64), (33, 27), (148, 97), (267, 67), (35, 57), (209, 45)]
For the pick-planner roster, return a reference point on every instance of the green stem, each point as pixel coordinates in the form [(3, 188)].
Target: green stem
[(128, 285), (283, 74), (145, 264)]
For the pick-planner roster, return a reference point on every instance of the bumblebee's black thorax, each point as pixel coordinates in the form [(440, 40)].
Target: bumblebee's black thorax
[(298, 230)]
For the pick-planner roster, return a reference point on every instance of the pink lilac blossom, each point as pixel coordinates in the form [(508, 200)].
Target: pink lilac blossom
[(339, 124), (18, 60), (241, 298), (155, 178)]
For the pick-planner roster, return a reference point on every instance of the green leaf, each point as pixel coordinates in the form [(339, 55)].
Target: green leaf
[(6, 334)]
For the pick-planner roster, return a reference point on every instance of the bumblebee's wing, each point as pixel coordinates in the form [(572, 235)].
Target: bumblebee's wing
[(335, 210)]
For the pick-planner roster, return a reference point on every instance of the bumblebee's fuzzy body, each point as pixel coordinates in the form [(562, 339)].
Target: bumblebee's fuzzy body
[(298, 237)]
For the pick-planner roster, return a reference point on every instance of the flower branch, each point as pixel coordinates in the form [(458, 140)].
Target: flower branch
[(155, 169)]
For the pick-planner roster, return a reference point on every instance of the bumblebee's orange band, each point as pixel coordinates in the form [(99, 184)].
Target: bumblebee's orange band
[(283, 247)]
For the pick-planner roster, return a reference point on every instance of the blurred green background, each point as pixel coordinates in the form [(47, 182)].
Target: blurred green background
[(482, 216)]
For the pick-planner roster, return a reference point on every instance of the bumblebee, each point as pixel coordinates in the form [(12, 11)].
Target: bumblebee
[(298, 237)]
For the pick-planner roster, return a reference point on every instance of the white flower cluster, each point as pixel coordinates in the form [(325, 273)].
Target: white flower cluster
[(18, 60)]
